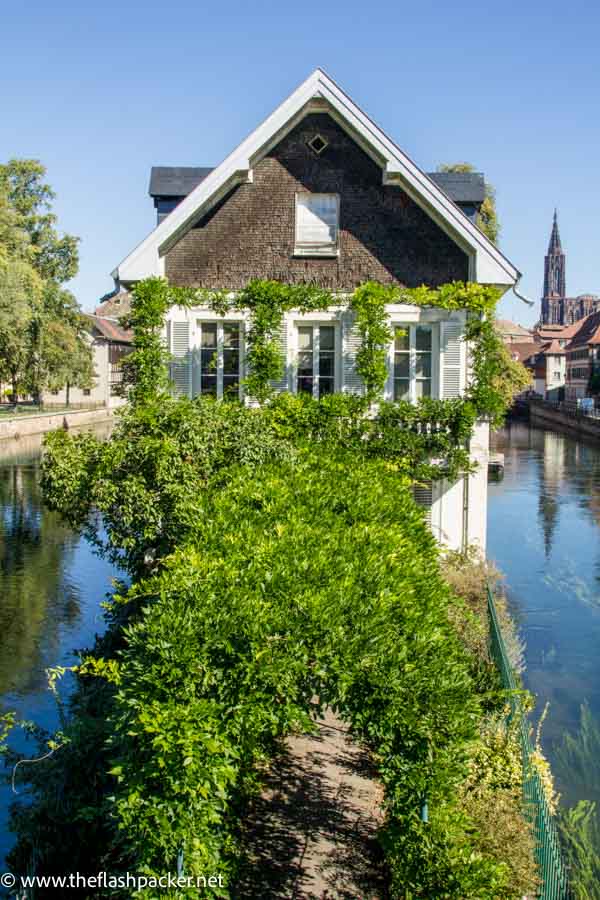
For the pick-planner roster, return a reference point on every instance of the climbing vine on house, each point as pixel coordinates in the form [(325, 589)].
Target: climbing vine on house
[(495, 377)]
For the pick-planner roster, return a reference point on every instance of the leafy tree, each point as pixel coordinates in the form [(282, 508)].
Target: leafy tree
[(487, 218), (62, 355), (14, 239), (20, 296), (42, 334), (55, 257)]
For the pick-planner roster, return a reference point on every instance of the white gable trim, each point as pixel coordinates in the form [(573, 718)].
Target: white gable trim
[(320, 93)]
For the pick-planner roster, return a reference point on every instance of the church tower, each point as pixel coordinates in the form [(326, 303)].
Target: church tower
[(555, 285)]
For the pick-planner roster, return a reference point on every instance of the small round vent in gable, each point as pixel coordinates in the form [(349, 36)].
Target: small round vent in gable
[(317, 144)]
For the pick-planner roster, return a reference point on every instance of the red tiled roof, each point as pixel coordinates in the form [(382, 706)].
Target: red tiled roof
[(110, 329), (552, 347), (588, 332), (524, 351)]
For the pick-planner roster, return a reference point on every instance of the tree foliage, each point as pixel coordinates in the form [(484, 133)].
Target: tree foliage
[(43, 343), (20, 303), (22, 183)]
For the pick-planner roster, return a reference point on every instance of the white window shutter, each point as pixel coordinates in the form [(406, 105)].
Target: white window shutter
[(351, 343), (282, 339), (316, 219), (423, 497), (451, 363), (181, 363)]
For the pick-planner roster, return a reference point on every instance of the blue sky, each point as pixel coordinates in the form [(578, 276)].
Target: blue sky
[(102, 92)]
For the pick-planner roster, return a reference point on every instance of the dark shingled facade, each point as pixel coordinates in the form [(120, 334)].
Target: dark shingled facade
[(384, 235)]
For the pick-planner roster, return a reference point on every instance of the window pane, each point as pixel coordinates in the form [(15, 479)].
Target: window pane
[(231, 335), (208, 362), (305, 386), (231, 387), (401, 339), (316, 218), (305, 363), (209, 334), (423, 388), (231, 362), (326, 365), (305, 338), (423, 338), (401, 389), (423, 367), (401, 365), (209, 385), (327, 337), (326, 386)]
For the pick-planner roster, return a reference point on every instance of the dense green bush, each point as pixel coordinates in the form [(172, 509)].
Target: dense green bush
[(276, 556)]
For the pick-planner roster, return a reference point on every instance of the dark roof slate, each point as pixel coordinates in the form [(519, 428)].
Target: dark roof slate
[(176, 181), (462, 187), (179, 181)]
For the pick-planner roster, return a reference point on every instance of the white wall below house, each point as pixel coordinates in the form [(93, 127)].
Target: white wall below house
[(459, 509)]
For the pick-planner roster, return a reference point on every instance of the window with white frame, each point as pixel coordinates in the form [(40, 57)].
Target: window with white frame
[(317, 223), (412, 362), (315, 365), (220, 359)]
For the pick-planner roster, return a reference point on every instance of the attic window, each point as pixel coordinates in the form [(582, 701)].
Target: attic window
[(317, 144), (317, 218)]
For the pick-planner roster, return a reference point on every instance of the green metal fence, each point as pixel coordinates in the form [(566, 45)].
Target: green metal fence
[(552, 868)]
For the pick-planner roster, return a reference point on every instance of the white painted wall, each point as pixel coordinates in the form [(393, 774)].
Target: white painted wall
[(100, 392)]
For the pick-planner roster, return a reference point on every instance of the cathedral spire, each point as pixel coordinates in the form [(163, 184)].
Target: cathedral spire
[(555, 282), (555, 245)]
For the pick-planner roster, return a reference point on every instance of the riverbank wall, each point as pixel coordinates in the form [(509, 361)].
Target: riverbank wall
[(40, 423), (569, 420)]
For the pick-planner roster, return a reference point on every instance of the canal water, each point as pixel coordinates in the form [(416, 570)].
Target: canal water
[(544, 534), (51, 586)]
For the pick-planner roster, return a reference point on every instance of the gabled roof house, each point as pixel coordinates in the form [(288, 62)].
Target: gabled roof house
[(319, 193)]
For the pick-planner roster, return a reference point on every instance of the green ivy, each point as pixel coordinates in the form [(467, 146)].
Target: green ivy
[(415, 436)]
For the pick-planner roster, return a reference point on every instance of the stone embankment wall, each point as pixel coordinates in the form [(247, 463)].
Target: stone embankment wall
[(39, 423), (571, 421)]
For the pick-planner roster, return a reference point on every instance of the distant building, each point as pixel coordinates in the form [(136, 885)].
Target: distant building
[(512, 333), (110, 343), (557, 308), (583, 359)]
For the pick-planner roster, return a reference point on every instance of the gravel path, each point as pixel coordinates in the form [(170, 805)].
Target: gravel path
[(312, 833)]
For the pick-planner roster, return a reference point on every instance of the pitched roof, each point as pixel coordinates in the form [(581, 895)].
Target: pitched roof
[(552, 348), (560, 332), (110, 329), (588, 332), (506, 327), (176, 181), (524, 351), (114, 305), (319, 92), (462, 187), (179, 181)]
